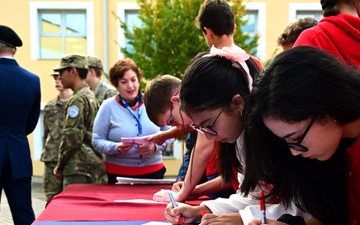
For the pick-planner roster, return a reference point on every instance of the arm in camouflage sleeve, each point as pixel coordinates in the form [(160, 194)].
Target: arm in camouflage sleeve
[(45, 122), (110, 93), (73, 133)]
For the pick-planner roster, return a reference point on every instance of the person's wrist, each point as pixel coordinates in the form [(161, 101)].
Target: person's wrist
[(291, 220)]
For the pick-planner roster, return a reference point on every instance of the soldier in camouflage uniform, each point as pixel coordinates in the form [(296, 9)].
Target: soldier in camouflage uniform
[(78, 162), (54, 115), (102, 91)]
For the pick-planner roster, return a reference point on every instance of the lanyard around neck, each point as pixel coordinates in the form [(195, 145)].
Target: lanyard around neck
[(136, 117)]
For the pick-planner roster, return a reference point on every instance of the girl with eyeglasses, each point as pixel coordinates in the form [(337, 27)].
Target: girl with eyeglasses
[(214, 94), (303, 135)]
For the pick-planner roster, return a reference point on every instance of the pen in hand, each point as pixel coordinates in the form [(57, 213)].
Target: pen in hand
[(262, 207), (173, 203)]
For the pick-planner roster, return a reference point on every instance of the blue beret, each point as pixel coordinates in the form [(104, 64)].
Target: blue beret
[(9, 37)]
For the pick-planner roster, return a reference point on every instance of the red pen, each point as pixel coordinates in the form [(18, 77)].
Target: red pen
[(202, 212), (262, 207)]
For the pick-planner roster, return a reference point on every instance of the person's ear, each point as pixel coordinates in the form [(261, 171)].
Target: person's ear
[(209, 33), (73, 71), (92, 72), (237, 103), (175, 99), (234, 29)]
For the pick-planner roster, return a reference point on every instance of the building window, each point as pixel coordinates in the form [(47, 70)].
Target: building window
[(318, 15), (61, 33), (131, 19), (251, 27), (256, 15), (299, 10), (60, 28), (128, 12)]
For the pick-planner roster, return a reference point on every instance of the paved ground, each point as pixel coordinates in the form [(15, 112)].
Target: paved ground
[(38, 202)]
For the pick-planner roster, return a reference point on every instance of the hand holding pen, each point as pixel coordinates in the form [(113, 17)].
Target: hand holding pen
[(173, 203)]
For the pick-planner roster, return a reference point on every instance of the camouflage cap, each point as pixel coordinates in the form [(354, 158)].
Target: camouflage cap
[(55, 74), (94, 61), (73, 61)]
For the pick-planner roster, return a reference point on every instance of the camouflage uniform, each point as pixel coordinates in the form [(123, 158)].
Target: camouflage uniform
[(54, 114), (77, 156), (102, 91), (78, 161)]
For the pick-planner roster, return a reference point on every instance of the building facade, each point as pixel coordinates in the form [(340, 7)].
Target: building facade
[(51, 29)]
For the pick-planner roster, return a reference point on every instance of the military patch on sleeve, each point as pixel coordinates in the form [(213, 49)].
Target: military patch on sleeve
[(73, 111)]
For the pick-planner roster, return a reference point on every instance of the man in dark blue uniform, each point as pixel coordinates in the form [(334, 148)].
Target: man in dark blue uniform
[(20, 100)]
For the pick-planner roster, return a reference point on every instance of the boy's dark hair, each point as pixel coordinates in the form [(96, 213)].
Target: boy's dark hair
[(216, 15)]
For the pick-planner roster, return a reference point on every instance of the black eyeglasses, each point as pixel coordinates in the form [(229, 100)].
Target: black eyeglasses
[(207, 129), (297, 146)]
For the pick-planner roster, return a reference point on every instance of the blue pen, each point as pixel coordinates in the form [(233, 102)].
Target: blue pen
[(173, 203)]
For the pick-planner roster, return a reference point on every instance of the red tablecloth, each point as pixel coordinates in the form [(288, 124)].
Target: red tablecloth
[(96, 202)]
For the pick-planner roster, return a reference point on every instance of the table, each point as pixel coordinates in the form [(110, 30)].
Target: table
[(95, 204)]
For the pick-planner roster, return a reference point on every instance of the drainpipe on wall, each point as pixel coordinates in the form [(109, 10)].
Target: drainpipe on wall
[(105, 36)]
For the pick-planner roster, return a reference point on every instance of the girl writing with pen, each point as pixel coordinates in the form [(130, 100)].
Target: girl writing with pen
[(213, 94), (303, 132)]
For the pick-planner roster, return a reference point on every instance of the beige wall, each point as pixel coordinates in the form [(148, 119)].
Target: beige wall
[(16, 14)]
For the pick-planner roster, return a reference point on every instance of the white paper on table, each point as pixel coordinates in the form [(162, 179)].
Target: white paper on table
[(140, 201), (142, 140), (132, 181)]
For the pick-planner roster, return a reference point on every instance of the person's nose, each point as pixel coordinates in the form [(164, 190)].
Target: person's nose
[(130, 85), (294, 152)]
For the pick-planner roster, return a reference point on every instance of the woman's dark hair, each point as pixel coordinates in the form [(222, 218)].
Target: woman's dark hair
[(211, 83), (118, 70), (298, 84), (328, 7)]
